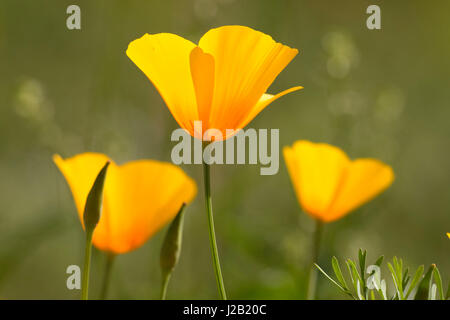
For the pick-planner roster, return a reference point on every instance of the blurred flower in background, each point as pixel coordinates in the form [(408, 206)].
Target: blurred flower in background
[(206, 9), (347, 102), (140, 197), (328, 184), (342, 53), (32, 102), (389, 104)]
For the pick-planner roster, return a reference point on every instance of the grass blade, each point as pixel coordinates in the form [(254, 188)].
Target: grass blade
[(415, 280), (346, 291), (422, 291), (338, 272), (438, 281)]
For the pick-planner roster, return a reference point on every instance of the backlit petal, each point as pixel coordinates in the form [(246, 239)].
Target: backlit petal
[(364, 179), (165, 60), (202, 71), (80, 172), (143, 196), (316, 171), (246, 63), (139, 197), (263, 102)]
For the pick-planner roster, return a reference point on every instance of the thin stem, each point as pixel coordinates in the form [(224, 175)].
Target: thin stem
[(212, 233), (87, 265), (110, 257), (165, 282), (311, 292)]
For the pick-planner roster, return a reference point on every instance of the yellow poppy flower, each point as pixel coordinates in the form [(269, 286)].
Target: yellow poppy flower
[(448, 235), (222, 81), (139, 197), (328, 184)]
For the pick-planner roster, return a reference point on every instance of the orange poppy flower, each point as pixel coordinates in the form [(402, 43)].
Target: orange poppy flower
[(328, 184), (222, 81), (139, 197)]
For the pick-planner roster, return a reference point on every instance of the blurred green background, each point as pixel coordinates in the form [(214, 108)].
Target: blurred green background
[(382, 94)]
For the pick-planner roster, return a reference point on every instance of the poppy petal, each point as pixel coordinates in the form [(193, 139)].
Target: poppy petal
[(164, 58), (364, 179), (263, 102), (246, 63), (80, 172), (142, 197), (202, 71), (316, 170)]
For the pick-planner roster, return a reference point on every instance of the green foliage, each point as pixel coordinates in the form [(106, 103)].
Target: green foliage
[(418, 286)]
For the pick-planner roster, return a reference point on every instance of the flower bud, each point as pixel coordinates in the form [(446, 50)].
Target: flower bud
[(171, 248), (93, 207)]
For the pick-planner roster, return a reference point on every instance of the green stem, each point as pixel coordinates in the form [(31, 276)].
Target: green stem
[(87, 265), (165, 283), (311, 292), (212, 233), (110, 257)]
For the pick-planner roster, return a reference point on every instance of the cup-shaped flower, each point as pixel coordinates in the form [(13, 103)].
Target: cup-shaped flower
[(139, 197), (221, 82), (328, 184)]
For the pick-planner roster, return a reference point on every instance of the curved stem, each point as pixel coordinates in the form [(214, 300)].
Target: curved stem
[(165, 283), (110, 257), (87, 265), (311, 292), (212, 233)]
